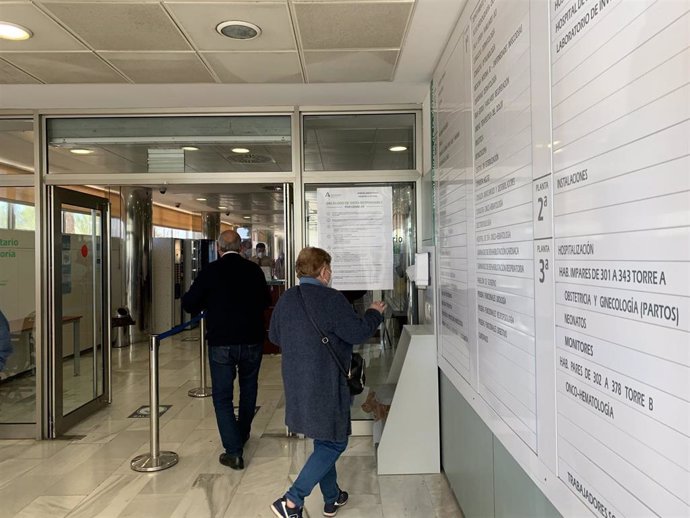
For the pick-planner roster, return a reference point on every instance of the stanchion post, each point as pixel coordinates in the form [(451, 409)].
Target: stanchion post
[(202, 390), (155, 460)]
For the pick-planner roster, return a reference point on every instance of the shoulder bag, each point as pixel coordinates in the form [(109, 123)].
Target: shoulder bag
[(355, 375)]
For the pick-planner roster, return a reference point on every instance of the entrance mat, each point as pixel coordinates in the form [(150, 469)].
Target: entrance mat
[(145, 412)]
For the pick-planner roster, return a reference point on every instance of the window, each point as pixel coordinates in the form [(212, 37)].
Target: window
[(23, 216), (17, 304), (176, 233), (17, 146), (4, 214), (77, 223), (117, 145), (355, 142)]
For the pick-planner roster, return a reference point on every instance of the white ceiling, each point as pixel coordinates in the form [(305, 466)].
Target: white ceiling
[(175, 42)]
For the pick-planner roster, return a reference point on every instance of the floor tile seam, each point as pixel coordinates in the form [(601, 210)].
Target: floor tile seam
[(20, 511)]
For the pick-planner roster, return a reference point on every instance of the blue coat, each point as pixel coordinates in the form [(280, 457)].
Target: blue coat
[(317, 398)]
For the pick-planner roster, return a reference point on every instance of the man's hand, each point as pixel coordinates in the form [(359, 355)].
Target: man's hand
[(379, 306)]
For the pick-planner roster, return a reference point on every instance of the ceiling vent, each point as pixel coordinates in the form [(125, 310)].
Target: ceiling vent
[(250, 158), (165, 160)]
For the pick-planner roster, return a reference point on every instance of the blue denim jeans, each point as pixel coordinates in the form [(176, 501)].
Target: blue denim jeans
[(319, 469), (227, 361)]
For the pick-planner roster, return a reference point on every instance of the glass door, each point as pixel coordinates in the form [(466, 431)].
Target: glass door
[(79, 323), (378, 351)]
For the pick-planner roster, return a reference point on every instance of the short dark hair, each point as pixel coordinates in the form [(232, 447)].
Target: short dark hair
[(310, 261), (260, 245)]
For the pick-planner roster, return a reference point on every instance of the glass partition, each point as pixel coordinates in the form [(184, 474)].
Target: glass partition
[(379, 350), (16, 147), (17, 306), (116, 145), (359, 142)]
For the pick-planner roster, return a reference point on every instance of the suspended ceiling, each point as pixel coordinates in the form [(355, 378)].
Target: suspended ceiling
[(172, 41), (259, 206)]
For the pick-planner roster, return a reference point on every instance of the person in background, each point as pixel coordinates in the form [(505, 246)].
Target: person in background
[(279, 266), (261, 258), (5, 344), (317, 397), (246, 248), (235, 334)]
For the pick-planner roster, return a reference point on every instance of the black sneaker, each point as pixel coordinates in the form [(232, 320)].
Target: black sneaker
[(332, 509), (281, 510), (231, 461)]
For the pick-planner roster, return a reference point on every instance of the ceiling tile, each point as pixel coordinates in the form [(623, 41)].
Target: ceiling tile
[(199, 21), (47, 34), (152, 67), (345, 66), (12, 75), (352, 25), (255, 67), (64, 67), (120, 26)]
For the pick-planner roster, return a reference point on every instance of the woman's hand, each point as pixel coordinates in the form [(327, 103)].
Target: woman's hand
[(379, 306)]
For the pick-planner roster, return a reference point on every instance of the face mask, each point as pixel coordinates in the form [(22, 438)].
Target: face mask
[(260, 254)]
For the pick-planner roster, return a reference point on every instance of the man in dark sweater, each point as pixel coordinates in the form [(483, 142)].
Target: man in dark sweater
[(234, 293)]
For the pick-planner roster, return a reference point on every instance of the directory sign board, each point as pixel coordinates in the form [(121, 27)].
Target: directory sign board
[(562, 175)]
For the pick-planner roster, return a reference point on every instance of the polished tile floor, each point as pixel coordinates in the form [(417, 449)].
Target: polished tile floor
[(87, 474)]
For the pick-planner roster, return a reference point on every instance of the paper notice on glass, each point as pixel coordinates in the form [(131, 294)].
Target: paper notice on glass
[(356, 228)]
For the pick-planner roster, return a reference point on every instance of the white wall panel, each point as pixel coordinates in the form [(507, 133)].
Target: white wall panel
[(563, 225)]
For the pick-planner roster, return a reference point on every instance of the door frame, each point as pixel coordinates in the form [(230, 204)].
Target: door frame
[(57, 196)]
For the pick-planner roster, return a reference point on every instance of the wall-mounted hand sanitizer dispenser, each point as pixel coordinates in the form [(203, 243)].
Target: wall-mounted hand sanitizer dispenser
[(419, 271)]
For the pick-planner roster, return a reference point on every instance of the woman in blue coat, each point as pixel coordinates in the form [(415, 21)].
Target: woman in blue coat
[(317, 397)]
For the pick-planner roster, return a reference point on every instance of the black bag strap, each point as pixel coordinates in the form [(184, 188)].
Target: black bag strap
[(324, 338)]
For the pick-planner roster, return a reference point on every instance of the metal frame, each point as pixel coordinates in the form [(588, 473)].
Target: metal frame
[(202, 111), (43, 182), (58, 421)]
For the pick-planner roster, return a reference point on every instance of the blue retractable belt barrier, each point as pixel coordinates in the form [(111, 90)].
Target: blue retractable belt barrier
[(180, 328)]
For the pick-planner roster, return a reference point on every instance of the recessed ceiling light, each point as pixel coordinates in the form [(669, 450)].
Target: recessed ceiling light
[(14, 32), (201, 199), (397, 149), (246, 217), (190, 148), (238, 30), (240, 150), (222, 207), (79, 151)]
